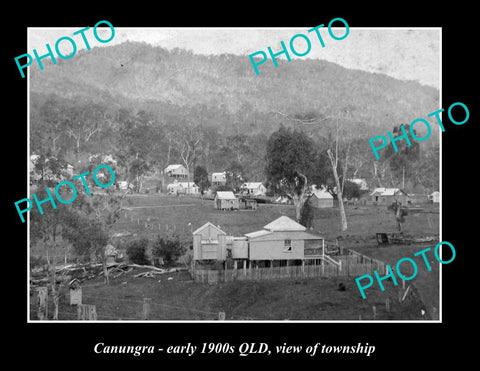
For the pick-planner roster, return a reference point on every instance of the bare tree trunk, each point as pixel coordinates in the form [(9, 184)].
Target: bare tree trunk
[(398, 216), (106, 278), (53, 284), (300, 196), (343, 216), (299, 201)]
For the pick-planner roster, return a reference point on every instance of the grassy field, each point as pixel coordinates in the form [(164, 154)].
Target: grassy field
[(181, 299), (314, 299)]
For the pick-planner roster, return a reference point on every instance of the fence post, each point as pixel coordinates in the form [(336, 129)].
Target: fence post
[(55, 297), (42, 297), (146, 308), (387, 304), (374, 309), (86, 312)]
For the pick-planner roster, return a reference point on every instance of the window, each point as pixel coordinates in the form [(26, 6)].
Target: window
[(287, 246)]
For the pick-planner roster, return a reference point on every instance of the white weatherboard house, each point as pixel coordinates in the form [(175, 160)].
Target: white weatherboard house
[(178, 188), (219, 178), (254, 188), (362, 183), (176, 171), (284, 239)]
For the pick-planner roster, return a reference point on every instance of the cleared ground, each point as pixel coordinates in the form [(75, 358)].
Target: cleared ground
[(314, 299)]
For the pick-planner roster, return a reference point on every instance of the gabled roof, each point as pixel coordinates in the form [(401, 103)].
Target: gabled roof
[(262, 232), (225, 195), (252, 184), (173, 167), (183, 184), (322, 194), (386, 191), (284, 223), (221, 174), (207, 224)]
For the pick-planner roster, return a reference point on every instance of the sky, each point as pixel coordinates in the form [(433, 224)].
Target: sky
[(402, 53)]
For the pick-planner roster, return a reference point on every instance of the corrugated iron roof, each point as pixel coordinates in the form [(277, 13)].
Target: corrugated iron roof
[(284, 223)]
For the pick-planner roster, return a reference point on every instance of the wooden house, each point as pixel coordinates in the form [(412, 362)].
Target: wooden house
[(226, 200), (253, 189), (176, 171), (387, 196), (185, 188), (320, 198), (284, 239), (209, 243), (219, 178)]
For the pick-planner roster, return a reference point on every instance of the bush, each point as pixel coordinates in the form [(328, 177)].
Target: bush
[(137, 251), (170, 249)]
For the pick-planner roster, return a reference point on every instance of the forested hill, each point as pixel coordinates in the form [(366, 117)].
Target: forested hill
[(138, 73), (133, 100)]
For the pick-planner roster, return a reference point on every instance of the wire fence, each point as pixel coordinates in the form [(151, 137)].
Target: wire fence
[(118, 309)]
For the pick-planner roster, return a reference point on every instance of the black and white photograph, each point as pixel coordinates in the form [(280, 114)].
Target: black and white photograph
[(227, 178), (250, 188)]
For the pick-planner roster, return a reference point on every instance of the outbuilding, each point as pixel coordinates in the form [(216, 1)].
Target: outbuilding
[(226, 200), (209, 243), (321, 198)]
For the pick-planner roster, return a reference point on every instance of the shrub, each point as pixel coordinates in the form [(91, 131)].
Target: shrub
[(137, 251), (170, 249)]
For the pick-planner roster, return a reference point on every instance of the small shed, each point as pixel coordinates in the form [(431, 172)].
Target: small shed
[(248, 203), (209, 243), (321, 198), (226, 200)]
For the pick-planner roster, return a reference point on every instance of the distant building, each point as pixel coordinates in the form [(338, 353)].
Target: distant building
[(434, 197), (417, 198), (387, 196), (226, 200), (362, 183), (254, 188), (320, 198), (176, 171), (179, 188), (124, 185), (219, 178)]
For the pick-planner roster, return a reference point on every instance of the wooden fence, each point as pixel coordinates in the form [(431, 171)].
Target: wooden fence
[(353, 264)]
